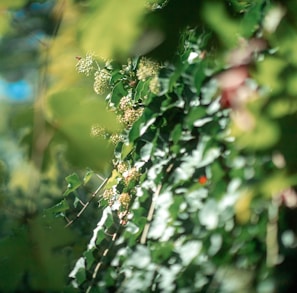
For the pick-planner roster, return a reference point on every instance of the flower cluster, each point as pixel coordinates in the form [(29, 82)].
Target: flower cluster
[(122, 167), (124, 200), (147, 68), (98, 131), (85, 65), (130, 116), (131, 175), (108, 194), (101, 81), (155, 4), (115, 138), (125, 103), (128, 111), (154, 85)]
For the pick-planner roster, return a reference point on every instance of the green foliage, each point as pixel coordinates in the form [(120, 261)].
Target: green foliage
[(202, 195), (34, 247), (203, 212), (111, 37)]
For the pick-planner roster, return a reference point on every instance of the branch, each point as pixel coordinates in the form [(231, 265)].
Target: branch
[(150, 215), (87, 204)]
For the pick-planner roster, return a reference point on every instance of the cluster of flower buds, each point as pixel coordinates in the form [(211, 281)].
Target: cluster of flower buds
[(98, 131), (101, 81), (130, 116), (115, 138), (85, 65), (125, 103), (147, 68), (131, 175), (154, 85), (122, 167), (108, 194), (124, 199)]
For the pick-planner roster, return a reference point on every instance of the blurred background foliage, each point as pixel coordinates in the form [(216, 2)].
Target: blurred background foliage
[(47, 111)]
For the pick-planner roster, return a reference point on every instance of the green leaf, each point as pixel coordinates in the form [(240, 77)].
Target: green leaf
[(126, 149), (111, 29), (209, 215), (146, 151), (89, 174), (100, 236), (73, 183), (142, 90), (199, 75), (277, 183), (60, 207), (252, 19), (269, 73), (141, 125), (176, 133), (14, 259), (215, 14), (89, 257), (263, 135), (195, 114), (113, 180), (73, 113), (117, 93)]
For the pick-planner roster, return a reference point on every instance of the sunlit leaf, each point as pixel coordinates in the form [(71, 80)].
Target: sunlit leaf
[(89, 174), (73, 183), (113, 180), (146, 151)]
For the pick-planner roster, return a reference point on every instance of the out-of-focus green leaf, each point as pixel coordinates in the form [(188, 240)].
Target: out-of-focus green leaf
[(227, 29), (277, 183), (268, 73), (252, 18), (73, 113), (263, 135), (4, 22), (111, 29), (292, 83), (35, 251), (281, 108), (8, 4), (13, 251)]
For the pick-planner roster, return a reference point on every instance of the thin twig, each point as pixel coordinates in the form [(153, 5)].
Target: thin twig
[(99, 264), (87, 204), (150, 216)]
